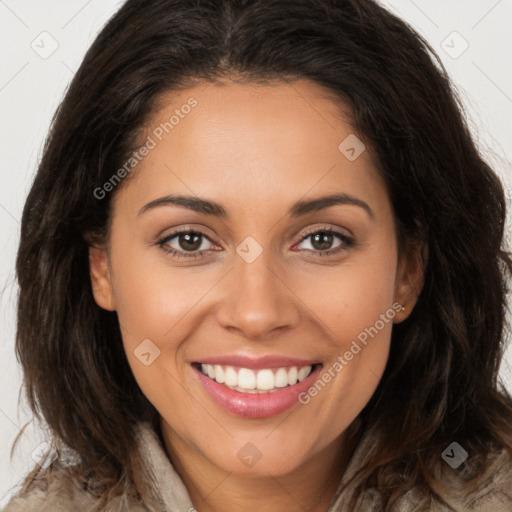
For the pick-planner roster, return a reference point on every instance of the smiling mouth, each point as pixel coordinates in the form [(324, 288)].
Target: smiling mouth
[(262, 381)]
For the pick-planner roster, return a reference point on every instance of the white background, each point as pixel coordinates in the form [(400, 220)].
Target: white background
[(31, 88)]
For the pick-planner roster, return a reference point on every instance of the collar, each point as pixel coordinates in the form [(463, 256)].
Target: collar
[(158, 483)]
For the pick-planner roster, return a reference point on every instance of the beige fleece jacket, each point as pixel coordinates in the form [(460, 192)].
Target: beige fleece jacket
[(167, 493)]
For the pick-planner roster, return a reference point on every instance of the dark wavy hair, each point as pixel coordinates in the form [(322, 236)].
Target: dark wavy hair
[(441, 382)]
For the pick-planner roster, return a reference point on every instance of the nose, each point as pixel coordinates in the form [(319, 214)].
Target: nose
[(259, 302)]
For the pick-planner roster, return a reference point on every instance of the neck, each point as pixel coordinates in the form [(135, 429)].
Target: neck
[(310, 486)]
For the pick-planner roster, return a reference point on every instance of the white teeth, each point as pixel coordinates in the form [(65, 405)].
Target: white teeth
[(250, 381), (219, 374), (265, 380), (230, 377), (281, 378), (246, 379), (303, 373), (292, 376)]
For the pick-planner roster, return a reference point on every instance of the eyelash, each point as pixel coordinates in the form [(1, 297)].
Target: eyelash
[(347, 242)]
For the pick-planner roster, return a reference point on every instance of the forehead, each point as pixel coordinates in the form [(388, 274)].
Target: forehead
[(259, 142)]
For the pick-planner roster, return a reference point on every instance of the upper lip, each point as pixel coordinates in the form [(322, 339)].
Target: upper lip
[(257, 363)]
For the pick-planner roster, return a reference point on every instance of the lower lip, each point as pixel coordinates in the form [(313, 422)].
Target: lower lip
[(255, 405)]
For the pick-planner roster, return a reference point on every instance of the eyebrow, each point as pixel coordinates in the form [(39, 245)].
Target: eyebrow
[(298, 209)]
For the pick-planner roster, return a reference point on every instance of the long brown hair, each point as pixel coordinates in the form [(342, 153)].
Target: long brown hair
[(441, 381)]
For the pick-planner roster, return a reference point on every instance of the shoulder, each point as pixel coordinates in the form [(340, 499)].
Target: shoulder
[(471, 489), (51, 490), (479, 485), (56, 491), (494, 490)]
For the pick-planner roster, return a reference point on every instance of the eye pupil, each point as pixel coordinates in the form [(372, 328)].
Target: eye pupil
[(324, 241), (186, 241)]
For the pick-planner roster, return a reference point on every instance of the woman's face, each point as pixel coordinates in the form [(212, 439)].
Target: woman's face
[(277, 285)]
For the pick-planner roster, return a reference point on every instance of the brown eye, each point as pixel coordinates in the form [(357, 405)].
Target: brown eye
[(322, 241), (189, 241), (326, 241), (182, 242)]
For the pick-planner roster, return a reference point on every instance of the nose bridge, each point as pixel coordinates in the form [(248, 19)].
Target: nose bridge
[(258, 301), (255, 279)]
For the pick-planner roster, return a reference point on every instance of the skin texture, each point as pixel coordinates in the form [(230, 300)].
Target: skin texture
[(255, 149)]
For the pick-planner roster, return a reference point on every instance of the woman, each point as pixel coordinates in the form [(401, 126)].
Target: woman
[(261, 267)]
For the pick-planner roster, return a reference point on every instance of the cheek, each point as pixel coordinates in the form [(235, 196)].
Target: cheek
[(151, 297), (151, 306), (354, 302), (351, 296)]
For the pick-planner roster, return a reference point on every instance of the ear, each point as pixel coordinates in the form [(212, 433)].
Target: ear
[(410, 277), (101, 278)]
